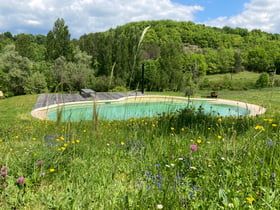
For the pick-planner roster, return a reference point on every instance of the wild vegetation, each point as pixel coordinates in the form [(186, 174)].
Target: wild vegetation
[(188, 160), (176, 56), (185, 160)]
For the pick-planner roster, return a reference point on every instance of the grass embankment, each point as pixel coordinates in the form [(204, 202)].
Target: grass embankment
[(175, 162)]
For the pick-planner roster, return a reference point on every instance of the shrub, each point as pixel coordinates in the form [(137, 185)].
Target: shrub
[(263, 80)]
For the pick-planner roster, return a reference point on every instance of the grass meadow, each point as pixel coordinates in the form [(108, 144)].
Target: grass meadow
[(186, 160)]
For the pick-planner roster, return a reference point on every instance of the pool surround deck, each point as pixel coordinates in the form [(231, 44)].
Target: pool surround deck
[(41, 111)]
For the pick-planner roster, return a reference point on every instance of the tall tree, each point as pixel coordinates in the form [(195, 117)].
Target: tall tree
[(58, 41)]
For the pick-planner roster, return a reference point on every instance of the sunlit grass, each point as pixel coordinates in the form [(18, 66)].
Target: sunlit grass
[(141, 163)]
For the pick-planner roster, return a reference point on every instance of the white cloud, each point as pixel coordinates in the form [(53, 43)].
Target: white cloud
[(258, 14), (85, 16)]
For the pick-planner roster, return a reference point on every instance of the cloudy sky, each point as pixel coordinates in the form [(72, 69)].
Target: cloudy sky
[(85, 16)]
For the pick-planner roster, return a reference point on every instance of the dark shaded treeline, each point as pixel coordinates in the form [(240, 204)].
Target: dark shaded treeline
[(176, 56)]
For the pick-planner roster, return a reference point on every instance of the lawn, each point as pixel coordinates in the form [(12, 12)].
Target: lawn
[(183, 161)]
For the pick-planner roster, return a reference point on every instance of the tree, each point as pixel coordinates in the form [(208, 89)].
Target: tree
[(58, 41), (35, 84)]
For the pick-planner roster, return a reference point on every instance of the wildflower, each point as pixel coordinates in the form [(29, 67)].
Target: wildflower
[(17, 137), (250, 199), (39, 163), (274, 125), (43, 174), (199, 141), (159, 206), (259, 127), (84, 131), (78, 141), (34, 139), (172, 129), (21, 180), (193, 147), (62, 148), (219, 137), (182, 129), (222, 158), (122, 143), (4, 185), (52, 170), (4, 174), (193, 168), (180, 158), (219, 119), (157, 165)]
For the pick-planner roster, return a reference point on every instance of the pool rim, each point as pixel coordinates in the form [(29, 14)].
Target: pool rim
[(41, 113)]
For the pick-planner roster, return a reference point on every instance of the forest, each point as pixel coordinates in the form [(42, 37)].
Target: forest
[(176, 57)]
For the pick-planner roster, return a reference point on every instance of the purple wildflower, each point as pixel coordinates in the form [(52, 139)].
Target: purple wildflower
[(4, 173), (39, 163), (21, 180), (4, 185), (193, 147)]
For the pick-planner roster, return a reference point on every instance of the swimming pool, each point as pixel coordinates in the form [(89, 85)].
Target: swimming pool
[(147, 107)]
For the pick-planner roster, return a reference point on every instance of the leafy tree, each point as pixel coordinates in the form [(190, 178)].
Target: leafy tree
[(58, 41), (14, 70), (35, 84)]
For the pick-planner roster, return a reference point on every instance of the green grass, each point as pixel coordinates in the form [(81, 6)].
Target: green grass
[(140, 164)]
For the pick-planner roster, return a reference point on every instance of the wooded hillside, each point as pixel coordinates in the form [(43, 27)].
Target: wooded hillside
[(176, 56)]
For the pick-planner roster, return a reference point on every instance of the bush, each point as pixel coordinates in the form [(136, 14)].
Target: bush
[(263, 80)]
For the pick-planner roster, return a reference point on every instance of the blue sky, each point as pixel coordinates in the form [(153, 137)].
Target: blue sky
[(86, 16), (215, 8)]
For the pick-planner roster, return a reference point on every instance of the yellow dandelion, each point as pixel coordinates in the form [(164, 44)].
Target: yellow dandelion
[(182, 129), (219, 137), (62, 138), (78, 141), (85, 131), (259, 127), (250, 199), (199, 141), (62, 148), (122, 143), (34, 139), (16, 137), (52, 170), (153, 125), (11, 149), (65, 145), (219, 119), (274, 125), (172, 129)]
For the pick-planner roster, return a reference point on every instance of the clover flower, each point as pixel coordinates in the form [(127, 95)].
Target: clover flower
[(193, 147), (21, 180)]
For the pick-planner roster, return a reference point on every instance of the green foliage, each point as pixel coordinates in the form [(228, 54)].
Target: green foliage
[(263, 81), (58, 41), (35, 84)]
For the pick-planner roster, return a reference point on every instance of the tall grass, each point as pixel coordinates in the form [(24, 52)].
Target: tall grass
[(144, 163)]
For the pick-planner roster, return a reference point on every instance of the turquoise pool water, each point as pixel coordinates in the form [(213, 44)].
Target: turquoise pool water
[(128, 110)]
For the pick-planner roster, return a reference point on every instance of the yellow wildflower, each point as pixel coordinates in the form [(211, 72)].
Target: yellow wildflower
[(122, 143), (78, 141), (52, 170), (172, 129), (259, 127), (274, 125), (182, 129), (250, 199), (219, 137), (199, 141)]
